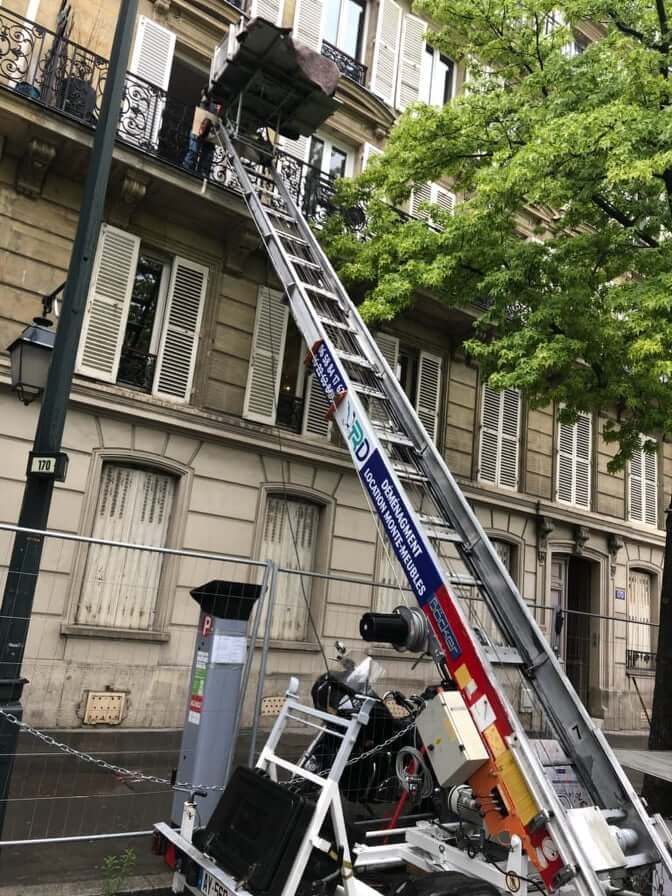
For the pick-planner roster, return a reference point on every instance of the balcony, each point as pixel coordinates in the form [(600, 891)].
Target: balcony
[(347, 66), (68, 80)]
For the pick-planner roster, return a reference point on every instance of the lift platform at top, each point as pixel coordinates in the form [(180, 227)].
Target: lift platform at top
[(263, 78)]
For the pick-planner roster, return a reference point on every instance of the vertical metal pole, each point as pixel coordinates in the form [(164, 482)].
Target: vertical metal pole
[(265, 592), (270, 606), (24, 566)]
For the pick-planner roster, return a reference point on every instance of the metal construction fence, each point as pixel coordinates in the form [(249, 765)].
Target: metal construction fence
[(113, 618)]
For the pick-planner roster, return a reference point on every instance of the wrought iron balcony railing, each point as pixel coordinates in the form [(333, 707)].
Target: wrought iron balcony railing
[(640, 661), (347, 66), (44, 68)]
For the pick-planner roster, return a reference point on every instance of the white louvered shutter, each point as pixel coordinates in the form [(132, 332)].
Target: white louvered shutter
[(271, 10), (500, 437), (643, 487), (443, 198), (410, 60), (651, 489), (289, 538), (389, 348), (584, 445), (268, 348), (420, 195), (510, 440), (120, 585), (429, 393), (152, 61), (369, 151), (640, 635), (490, 442), (108, 303), (315, 410), (308, 19), (179, 340), (574, 462), (386, 51)]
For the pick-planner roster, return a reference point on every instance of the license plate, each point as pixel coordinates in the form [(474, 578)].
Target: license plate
[(210, 886)]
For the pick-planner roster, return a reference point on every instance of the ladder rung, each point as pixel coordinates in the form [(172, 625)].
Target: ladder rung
[(466, 581), (320, 291), (368, 390), (299, 240), (441, 534), (404, 471), (340, 325), (393, 438), (354, 359), (276, 213), (303, 262)]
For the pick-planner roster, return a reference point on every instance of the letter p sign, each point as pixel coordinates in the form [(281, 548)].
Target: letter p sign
[(207, 626)]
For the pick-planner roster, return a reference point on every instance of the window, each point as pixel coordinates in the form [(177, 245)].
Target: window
[(479, 612), (575, 442), (642, 636), (280, 390), (419, 373), (289, 537), (436, 77), (430, 194), (498, 458), (121, 586), (344, 25), (643, 487), (143, 317)]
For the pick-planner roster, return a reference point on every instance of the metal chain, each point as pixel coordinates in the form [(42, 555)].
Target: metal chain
[(133, 776), (136, 776)]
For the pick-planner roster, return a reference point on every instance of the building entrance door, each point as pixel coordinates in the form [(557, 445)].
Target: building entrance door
[(571, 590)]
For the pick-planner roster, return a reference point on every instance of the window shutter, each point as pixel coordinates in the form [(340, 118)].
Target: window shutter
[(369, 151), (420, 195), (268, 348), (651, 488), (389, 348), (510, 429), (574, 462), (271, 10), (308, 23), (641, 637), (500, 437), (429, 393), (443, 198), (108, 303), (179, 341), (584, 443), (410, 60), (152, 60), (153, 53), (643, 487), (386, 51), (636, 487), (490, 435), (120, 586), (315, 410)]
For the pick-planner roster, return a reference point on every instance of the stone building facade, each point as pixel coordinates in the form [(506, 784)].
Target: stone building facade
[(190, 427)]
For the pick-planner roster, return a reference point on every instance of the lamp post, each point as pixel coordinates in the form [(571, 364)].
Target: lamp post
[(47, 463)]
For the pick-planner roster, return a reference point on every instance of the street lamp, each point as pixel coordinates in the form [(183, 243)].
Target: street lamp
[(29, 356)]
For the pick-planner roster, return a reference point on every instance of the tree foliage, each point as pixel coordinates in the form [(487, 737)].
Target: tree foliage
[(581, 314)]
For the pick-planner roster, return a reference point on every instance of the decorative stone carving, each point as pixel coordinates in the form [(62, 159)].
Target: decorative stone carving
[(162, 7), (133, 190), (615, 543), (33, 167), (581, 536), (545, 526)]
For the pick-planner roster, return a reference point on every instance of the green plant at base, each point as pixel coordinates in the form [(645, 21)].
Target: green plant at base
[(116, 870)]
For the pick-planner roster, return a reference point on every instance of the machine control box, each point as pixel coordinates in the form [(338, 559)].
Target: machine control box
[(454, 746)]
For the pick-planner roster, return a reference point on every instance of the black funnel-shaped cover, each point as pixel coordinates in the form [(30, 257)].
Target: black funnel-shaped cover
[(227, 600)]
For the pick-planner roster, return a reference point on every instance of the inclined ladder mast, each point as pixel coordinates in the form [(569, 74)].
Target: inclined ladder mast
[(418, 501)]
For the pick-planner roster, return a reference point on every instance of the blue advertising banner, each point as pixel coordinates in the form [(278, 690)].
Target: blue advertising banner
[(404, 537)]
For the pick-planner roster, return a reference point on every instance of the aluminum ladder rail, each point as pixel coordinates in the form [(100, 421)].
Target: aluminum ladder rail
[(417, 498)]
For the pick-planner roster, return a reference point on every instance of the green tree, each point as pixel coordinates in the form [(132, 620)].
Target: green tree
[(578, 142)]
